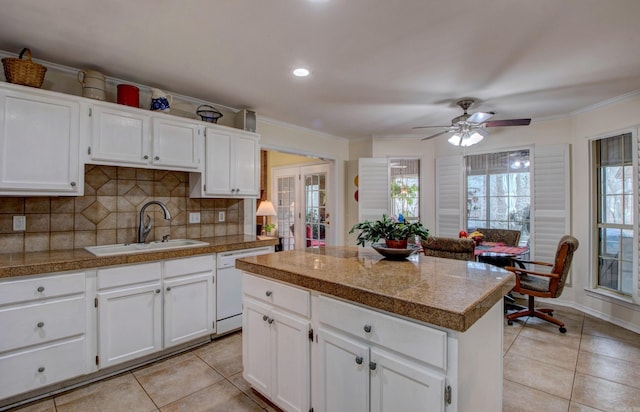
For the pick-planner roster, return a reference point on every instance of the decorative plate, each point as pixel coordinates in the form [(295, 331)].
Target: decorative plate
[(396, 254)]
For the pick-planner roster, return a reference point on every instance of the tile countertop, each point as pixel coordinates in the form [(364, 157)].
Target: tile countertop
[(20, 264), (449, 293)]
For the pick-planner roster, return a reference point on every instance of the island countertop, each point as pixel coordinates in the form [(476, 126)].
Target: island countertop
[(448, 293)]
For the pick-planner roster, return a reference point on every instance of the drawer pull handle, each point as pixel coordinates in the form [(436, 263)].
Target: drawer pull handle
[(359, 360), (156, 158), (268, 293), (367, 328), (270, 321), (372, 366), (265, 317), (41, 369), (40, 324), (40, 289)]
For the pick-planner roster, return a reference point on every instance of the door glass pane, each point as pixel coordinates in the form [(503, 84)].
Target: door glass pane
[(315, 195), (285, 208)]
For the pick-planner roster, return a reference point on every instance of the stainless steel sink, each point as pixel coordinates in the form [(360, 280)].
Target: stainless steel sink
[(128, 248)]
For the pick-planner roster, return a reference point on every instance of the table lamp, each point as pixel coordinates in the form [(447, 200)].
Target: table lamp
[(265, 209)]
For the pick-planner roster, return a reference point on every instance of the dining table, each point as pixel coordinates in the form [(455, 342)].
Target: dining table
[(497, 253)]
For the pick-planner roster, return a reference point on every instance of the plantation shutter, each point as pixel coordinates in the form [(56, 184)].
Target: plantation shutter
[(449, 188), (551, 201), (373, 188)]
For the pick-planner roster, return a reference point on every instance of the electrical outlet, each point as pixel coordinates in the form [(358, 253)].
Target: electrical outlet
[(19, 223), (221, 216), (194, 217)]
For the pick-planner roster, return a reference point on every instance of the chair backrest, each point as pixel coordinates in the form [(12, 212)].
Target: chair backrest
[(506, 236), (449, 248), (564, 255)]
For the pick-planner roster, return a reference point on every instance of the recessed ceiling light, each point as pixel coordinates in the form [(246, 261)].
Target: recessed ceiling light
[(301, 72)]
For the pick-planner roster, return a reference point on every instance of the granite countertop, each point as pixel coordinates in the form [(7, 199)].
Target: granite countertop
[(20, 264), (449, 293)]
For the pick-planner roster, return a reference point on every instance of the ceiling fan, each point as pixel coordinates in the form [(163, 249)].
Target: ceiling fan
[(469, 129)]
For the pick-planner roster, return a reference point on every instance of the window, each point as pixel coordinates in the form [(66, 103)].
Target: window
[(498, 191), (613, 163), (405, 188)]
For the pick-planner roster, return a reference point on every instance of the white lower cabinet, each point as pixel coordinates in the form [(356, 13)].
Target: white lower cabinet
[(43, 338), (276, 344)]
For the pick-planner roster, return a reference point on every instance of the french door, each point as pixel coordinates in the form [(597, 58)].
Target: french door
[(302, 202)]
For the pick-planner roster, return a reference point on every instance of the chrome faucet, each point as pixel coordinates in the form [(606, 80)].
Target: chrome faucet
[(145, 228)]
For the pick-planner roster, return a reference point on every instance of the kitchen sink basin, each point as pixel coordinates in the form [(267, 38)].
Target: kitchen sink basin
[(128, 248)]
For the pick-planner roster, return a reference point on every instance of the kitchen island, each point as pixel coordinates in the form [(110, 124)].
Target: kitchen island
[(344, 329)]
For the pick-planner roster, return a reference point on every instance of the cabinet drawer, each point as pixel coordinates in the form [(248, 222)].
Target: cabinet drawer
[(411, 339), (41, 287), (34, 368), (36, 323), (186, 266), (128, 275), (287, 297)]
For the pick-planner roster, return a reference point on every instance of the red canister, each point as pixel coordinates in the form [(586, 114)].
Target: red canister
[(128, 95)]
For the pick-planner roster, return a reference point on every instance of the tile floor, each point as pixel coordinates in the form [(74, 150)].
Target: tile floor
[(595, 366)]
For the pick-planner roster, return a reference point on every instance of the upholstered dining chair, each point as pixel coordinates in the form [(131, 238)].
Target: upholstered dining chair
[(506, 236), (449, 248), (544, 285)]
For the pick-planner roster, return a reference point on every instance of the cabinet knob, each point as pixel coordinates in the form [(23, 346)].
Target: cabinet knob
[(359, 360), (168, 288), (40, 324), (73, 184), (372, 366), (237, 190), (270, 321), (367, 328), (40, 289), (265, 317), (158, 291), (41, 369), (157, 158), (145, 157), (268, 293)]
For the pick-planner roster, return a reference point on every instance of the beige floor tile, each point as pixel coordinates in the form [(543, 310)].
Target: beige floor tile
[(544, 351), (606, 367), (550, 333), (46, 405), (574, 326), (538, 375), (576, 407), (175, 378), (508, 339), (603, 394), (520, 398), (239, 382), (597, 327), (224, 354), (220, 397), (121, 393), (610, 347)]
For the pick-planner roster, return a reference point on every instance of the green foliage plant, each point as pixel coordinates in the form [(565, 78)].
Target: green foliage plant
[(387, 228)]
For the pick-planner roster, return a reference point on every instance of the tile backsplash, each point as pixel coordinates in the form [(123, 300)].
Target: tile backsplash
[(108, 212)]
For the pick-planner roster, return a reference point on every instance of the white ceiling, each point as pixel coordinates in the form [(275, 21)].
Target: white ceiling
[(377, 66)]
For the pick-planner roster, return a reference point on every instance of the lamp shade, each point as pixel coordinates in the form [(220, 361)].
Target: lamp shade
[(266, 209)]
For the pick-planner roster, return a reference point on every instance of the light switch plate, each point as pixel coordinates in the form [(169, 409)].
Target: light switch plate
[(221, 216), (194, 217), (19, 223)]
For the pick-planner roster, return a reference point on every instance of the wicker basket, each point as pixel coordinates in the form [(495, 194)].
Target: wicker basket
[(23, 71)]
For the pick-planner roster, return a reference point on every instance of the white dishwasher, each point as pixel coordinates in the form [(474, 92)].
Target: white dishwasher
[(229, 288)]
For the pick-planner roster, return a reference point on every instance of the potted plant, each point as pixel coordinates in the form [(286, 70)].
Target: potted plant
[(395, 233), (268, 228)]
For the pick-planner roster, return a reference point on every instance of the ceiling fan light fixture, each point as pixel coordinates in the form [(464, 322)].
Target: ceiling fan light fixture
[(472, 139), (456, 139)]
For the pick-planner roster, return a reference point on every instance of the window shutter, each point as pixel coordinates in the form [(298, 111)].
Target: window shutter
[(373, 188), (449, 188), (551, 202)]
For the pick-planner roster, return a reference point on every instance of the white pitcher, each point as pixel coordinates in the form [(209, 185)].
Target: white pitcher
[(160, 100), (93, 84)]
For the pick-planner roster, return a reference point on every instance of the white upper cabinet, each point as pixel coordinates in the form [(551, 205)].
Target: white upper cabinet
[(130, 137), (232, 166), (39, 143)]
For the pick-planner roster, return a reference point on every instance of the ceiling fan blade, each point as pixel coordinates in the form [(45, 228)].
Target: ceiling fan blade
[(480, 117), (509, 122), (427, 127), (436, 135)]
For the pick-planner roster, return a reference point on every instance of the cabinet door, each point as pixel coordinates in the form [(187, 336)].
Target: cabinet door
[(120, 136), (218, 166), (398, 383), (176, 144), (291, 371), (188, 308), (257, 346), (245, 155), (343, 373), (39, 145), (129, 323)]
